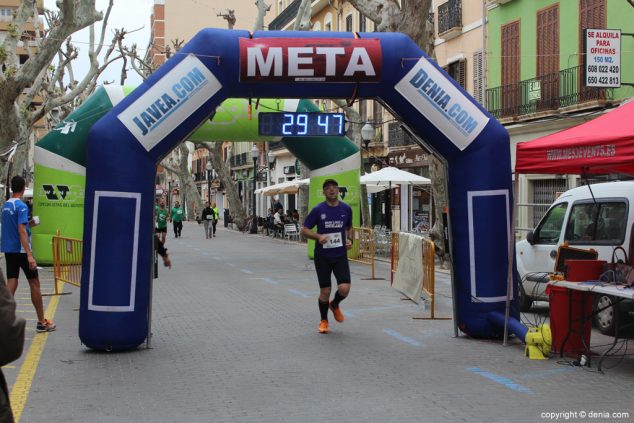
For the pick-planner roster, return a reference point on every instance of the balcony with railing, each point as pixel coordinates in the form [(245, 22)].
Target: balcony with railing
[(450, 19), (238, 160), (544, 94), (285, 17)]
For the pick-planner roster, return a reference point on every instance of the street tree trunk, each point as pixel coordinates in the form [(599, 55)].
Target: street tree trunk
[(302, 23), (236, 208), (389, 17), (354, 134)]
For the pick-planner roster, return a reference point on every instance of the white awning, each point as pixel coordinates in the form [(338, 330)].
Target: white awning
[(288, 187)]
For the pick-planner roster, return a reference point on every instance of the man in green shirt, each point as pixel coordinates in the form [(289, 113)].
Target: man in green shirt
[(177, 218), (214, 222), (162, 214)]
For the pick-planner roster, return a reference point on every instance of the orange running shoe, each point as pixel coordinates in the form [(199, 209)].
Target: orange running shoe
[(337, 313), (323, 326)]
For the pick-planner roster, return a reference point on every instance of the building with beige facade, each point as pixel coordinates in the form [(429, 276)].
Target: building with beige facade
[(460, 42)]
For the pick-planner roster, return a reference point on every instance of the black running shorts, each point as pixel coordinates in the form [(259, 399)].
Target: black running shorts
[(17, 261), (161, 230), (327, 265)]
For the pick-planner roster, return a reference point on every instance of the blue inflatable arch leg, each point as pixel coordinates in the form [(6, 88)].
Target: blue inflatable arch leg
[(126, 144)]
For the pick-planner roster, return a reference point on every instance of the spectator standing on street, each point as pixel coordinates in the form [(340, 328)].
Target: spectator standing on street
[(177, 217), (276, 203), (16, 246), (11, 345), (162, 215), (269, 221), (214, 221), (207, 217), (333, 238), (278, 219)]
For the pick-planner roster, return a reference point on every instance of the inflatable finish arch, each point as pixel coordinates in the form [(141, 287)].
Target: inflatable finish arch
[(126, 144), (60, 159)]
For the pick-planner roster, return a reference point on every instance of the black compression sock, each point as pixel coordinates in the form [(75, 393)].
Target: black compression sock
[(323, 309), (338, 298)]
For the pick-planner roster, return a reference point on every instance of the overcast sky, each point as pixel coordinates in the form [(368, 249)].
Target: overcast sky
[(128, 14)]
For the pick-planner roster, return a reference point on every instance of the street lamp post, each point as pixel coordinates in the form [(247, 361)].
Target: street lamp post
[(208, 167), (271, 157), (367, 135), (169, 194), (254, 222)]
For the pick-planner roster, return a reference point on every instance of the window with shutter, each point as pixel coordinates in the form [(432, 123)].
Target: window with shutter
[(510, 91), (478, 77), (363, 110), (349, 23), (462, 74), (548, 57), (362, 23), (458, 71), (592, 14), (377, 112)]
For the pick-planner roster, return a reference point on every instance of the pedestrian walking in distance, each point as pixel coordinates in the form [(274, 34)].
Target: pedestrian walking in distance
[(16, 246), (162, 216), (333, 219), (207, 216), (176, 215), (214, 221)]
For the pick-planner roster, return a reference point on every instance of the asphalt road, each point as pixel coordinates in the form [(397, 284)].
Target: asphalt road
[(235, 340)]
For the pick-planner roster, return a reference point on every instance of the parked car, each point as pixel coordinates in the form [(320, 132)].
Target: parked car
[(599, 217)]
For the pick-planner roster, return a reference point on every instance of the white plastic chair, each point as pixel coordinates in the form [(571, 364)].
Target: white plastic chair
[(290, 232)]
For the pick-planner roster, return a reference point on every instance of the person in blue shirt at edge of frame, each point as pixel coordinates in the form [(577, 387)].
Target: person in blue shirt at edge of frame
[(333, 238), (16, 246)]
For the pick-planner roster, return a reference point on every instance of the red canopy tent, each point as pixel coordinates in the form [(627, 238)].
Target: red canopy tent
[(602, 145)]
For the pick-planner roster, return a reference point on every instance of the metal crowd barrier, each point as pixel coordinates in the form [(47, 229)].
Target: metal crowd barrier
[(364, 251), (394, 261), (429, 276), (429, 272), (66, 260)]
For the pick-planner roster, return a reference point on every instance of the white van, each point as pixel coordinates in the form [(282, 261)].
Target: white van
[(599, 216)]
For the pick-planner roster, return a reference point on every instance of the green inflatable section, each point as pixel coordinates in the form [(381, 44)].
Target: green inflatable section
[(59, 179), (60, 172)]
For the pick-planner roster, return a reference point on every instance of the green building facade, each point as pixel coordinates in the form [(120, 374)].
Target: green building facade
[(565, 76)]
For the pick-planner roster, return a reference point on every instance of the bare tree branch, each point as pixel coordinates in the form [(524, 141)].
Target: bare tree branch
[(19, 85), (75, 15), (259, 20), (229, 16), (140, 66), (304, 13)]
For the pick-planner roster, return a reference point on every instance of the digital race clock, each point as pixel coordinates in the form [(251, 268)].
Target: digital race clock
[(312, 124)]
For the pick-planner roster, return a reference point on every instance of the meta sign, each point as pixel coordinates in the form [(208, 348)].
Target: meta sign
[(310, 60), (602, 58)]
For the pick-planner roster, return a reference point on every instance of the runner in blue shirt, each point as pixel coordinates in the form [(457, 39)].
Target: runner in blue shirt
[(333, 238), (16, 246)]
